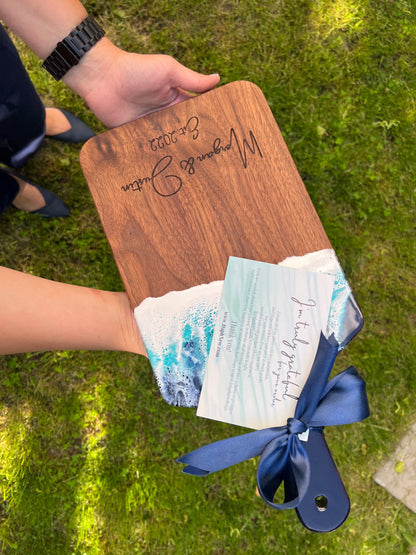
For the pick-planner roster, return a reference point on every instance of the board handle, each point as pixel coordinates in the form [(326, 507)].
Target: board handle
[(326, 504)]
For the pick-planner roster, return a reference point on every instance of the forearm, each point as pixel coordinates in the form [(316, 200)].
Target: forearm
[(118, 86), (41, 315), (41, 24)]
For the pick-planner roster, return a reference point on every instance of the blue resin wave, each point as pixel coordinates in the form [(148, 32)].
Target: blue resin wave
[(177, 331)]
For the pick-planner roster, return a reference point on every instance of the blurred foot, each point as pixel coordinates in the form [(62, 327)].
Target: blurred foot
[(36, 200), (56, 122), (64, 126), (28, 198)]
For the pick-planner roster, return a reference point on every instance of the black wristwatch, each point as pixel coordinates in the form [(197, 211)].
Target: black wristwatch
[(70, 50)]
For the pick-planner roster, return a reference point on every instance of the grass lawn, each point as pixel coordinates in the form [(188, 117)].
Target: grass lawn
[(87, 446)]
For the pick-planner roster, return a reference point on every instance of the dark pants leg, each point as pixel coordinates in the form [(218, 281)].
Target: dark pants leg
[(8, 190), (22, 116)]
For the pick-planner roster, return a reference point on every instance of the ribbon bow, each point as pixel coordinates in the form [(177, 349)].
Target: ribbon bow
[(284, 458)]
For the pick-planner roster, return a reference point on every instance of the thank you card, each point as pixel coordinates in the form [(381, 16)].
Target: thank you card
[(266, 336)]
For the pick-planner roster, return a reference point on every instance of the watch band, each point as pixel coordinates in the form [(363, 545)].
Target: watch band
[(70, 50)]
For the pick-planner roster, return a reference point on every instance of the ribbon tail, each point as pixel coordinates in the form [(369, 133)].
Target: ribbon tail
[(287, 463), (227, 452), (344, 401)]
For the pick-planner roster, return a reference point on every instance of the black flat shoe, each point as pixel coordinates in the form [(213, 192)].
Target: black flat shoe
[(54, 206), (79, 132)]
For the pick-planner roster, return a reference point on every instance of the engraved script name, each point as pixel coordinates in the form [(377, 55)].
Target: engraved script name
[(171, 183), (164, 177), (219, 148)]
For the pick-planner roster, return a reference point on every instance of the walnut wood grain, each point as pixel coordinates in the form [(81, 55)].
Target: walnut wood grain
[(182, 189)]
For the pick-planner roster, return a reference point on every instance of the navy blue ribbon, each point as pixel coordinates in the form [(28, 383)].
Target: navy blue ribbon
[(283, 459)]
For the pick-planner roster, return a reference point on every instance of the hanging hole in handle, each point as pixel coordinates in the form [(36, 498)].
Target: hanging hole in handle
[(321, 503)]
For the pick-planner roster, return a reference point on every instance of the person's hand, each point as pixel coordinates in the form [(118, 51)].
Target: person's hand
[(120, 87)]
